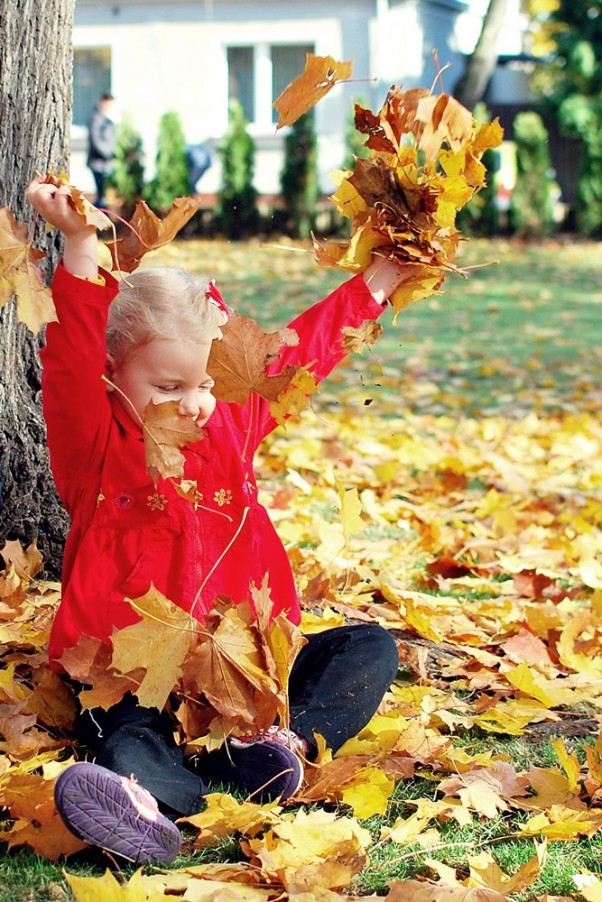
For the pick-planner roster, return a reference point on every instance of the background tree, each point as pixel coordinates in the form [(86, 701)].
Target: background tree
[(535, 191), (171, 177), (127, 177), (480, 65), (237, 207), (35, 115), (570, 81)]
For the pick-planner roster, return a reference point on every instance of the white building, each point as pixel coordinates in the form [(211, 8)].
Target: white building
[(191, 56)]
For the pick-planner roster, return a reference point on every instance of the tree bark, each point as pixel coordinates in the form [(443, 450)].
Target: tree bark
[(35, 115), (480, 66)]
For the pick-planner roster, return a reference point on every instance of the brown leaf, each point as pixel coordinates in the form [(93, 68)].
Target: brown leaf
[(404, 890), (20, 275), (88, 212), (320, 75), (149, 232), (27, 561), (165, 432), (238, 362)]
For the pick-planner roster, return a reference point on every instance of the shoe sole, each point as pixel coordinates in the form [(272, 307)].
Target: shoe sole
[(96, 806)]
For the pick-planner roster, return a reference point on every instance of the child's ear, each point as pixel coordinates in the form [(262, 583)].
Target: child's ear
[(110, 366)]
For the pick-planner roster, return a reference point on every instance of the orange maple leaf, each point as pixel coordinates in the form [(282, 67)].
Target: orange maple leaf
[(320, 75), (165, 432), (148, 232), (237, 363)]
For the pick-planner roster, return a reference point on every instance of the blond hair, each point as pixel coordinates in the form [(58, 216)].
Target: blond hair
[(161, 303)]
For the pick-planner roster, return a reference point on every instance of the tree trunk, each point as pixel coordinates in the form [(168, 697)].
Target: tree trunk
[(35, 116), (481, 64)]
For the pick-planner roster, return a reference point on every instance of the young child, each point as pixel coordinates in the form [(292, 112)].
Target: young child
[(151, 338)]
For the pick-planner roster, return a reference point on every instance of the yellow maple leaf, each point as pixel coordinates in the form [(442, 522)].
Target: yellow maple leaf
[(369, 793), (569, 761), (294, 398), (20, 275), (108, 889), (484, 871), (562, 823), (550, 693), (224, 815), (159, 644), (309, 840), (351, 509)]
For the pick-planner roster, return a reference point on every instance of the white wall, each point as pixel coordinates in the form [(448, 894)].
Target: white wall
[(172, 56)]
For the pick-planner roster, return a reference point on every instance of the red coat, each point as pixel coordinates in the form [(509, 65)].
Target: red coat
[(127, 534)]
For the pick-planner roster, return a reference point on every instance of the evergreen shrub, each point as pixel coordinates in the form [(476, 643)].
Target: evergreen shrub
[(127, 177), (171, 167), (533, 197), (299, 177), (237, 211)]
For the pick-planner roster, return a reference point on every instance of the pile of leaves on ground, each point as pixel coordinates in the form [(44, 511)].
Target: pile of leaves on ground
[(477, 543)]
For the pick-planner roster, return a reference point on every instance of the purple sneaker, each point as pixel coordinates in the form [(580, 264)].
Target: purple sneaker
[(260, 767), (116, 814)]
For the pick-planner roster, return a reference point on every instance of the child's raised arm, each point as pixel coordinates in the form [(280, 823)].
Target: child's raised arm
[(81, 244)]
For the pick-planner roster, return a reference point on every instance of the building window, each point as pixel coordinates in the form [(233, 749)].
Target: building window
[(258, 74), (288, 61), (241, 79), (91, 78)]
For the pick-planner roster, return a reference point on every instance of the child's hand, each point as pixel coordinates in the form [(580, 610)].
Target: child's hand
[(383, 276), (54, 204), (81, 245)]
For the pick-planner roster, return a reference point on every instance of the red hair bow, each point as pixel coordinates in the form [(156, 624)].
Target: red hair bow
[(214, 297)]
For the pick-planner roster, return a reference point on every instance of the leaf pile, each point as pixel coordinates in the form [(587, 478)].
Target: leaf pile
[(477, 544), (402, 200)]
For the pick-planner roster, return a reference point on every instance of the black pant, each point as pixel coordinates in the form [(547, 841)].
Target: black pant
[(100, 180), (336, 684)]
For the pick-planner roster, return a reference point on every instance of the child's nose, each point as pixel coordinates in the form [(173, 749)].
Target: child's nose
[(189, 406)]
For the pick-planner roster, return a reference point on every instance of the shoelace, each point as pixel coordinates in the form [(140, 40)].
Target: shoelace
[(287, 738)]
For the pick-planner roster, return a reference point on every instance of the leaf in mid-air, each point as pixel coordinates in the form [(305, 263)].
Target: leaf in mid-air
[(148, 232), (237, 363), (320, 75)]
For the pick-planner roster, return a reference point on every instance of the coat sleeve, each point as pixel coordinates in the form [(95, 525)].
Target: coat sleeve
[(320, 331), (76, 406)]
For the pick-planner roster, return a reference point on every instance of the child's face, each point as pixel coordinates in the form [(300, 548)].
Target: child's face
[(165, 369)]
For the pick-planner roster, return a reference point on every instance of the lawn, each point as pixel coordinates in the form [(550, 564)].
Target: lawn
[(471, 436), (520, 333)]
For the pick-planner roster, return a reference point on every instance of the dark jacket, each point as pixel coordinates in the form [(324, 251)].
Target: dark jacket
[(102, 140)]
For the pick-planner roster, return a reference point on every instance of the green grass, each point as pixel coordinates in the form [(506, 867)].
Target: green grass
[(520, 333), (519, 337)]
